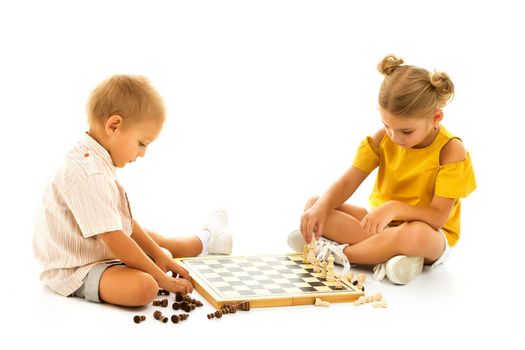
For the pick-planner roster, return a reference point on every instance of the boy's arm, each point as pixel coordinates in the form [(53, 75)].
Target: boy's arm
[(151, 248), (130, 253), (148, 245)]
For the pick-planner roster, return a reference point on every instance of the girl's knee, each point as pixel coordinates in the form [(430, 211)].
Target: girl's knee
[(414, 236)]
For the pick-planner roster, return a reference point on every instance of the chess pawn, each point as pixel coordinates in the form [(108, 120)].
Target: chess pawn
[(331, 260), (338, 283), (349, 276), (330, 276), (311, 256), (317, 267), (323, 269), (306, 250)]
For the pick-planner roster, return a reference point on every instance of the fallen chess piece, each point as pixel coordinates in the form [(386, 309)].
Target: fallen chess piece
[(139, 318), (159, 316), (229, 309), (321, 302), (381, 303), (179, 317), (376, 298)]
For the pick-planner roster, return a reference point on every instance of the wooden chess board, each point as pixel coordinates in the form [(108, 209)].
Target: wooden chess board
[(265, 281)]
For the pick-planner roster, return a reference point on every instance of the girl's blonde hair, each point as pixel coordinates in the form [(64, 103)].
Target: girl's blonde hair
[(130, 96), (410, 90)]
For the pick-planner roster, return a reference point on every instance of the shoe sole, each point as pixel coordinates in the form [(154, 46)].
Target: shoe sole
[(403, 269)]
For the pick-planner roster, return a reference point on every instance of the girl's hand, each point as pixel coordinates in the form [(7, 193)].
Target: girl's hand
[(377, 220), (313, 219)]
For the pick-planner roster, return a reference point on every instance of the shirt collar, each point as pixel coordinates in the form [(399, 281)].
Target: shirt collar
[(92, 145)]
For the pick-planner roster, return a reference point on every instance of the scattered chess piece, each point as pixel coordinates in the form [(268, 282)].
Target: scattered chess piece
[(321, 302), (139, 318), (381, 304), (361, 281), (179, 317), (163, 302), (376, 300), (349, 277), (163, 292), (360, 301), (159, 316)]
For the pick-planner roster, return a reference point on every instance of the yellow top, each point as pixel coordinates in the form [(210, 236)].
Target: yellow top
[(414, 175)]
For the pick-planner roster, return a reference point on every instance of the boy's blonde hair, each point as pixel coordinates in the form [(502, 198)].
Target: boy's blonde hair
[(410, 90), (130, 96)]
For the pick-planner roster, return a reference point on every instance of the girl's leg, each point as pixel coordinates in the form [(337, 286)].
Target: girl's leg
[(342, 224), (122, 285), (178, 246), (414, 238)]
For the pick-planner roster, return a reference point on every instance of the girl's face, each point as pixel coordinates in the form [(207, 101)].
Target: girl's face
[(410, 131)]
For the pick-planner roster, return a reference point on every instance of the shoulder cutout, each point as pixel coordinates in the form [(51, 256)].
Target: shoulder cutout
[(452, 152), (378, 136)]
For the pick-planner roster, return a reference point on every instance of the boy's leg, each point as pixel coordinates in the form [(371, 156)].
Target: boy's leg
[(122, 285), (414, 238), (178, 246)]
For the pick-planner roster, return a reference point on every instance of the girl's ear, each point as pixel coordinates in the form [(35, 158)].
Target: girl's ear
[(113, 123), (438, 116)]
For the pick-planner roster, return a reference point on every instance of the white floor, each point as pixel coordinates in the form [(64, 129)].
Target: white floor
[(462, 301)]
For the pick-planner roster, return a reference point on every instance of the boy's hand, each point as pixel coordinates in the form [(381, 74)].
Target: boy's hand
[(165, 263), (376, 220), (175, 285)]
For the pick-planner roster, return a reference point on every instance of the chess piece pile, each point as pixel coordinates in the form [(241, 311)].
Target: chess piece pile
[(325, 268), (229, 309), (183, 302)]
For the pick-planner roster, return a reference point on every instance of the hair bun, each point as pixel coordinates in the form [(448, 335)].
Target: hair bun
[(443, 85), (389, 64)]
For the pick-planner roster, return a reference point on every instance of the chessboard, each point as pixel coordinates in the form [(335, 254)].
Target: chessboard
[(264, 281)]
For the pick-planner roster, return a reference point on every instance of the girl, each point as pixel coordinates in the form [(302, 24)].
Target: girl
[(423, 172)]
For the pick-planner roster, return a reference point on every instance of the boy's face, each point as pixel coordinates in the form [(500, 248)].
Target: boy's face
[(127, 142), (410, 132)]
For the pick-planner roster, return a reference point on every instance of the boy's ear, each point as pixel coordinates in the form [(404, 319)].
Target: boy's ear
[(113, 123)]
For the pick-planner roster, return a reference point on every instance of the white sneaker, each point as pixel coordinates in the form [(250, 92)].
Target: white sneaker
[(400, 269), (323, 248), (220, 241)]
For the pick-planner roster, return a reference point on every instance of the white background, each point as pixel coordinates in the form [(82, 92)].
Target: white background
[(267, 102)]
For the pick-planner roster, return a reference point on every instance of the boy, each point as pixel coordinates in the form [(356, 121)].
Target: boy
[(85, 237)]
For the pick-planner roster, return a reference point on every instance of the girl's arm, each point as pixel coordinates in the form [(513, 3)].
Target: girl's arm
[(345, 187), (313, 219), (436, 214)]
